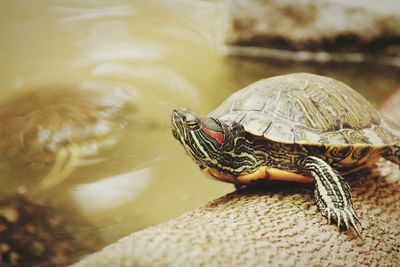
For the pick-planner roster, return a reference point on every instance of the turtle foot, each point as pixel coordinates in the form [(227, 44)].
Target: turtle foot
[(332, 194), (66, 161), (344, 217)]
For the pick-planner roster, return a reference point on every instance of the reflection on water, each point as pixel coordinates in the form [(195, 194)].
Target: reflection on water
[(76, 14), (111, 192), (165, 54)]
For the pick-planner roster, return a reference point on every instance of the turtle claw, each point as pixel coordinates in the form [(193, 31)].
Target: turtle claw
[(345, 217)]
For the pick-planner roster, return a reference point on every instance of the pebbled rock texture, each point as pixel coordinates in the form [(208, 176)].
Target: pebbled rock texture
[(273, 226)]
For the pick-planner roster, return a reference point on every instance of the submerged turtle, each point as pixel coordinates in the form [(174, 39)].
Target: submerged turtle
[(62, 127), (298, 127)]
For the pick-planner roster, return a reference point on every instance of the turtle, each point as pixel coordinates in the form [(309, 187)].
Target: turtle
[(62, 127), (297, 127)]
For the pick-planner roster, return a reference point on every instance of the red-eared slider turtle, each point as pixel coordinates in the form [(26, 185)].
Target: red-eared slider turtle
[(63, 127), (298, 127)]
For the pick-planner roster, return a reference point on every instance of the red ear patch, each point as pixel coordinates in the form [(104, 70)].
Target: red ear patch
[(217, 136)]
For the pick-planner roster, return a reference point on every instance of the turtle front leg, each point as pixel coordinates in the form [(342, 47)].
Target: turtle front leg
[(332, 193), (66, 161), (393, 154)]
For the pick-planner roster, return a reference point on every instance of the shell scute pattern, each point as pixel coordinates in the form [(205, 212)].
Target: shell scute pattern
[(312, 137), (373, 136), (345, 136), (256, 123), (281, 132), (307, 109), (251, 101), (237, 116)]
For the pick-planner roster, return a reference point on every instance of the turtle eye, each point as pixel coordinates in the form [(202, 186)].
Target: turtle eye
[(192, 124)]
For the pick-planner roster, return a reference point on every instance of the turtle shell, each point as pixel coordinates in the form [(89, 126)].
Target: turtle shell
[(35, 125), (306, 108)]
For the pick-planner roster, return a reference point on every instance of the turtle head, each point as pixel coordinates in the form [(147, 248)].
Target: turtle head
[(202, 137), (222, 150)]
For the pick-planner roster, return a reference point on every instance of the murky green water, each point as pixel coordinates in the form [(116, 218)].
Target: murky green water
[(167, 54)]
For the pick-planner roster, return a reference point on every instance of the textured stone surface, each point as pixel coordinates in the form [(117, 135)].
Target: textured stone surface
[(275, 226), (310, 24)]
